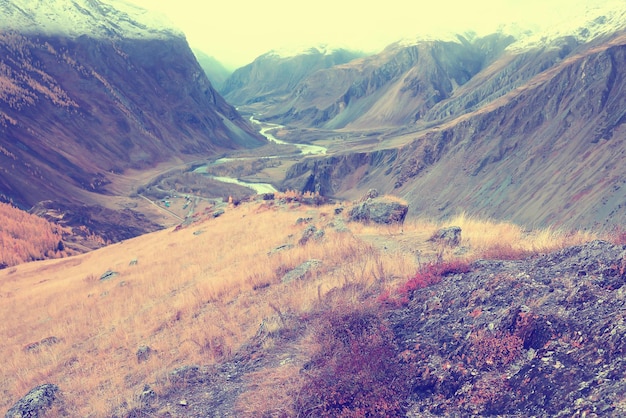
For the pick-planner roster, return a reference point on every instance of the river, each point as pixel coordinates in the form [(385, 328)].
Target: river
[(305, 149)]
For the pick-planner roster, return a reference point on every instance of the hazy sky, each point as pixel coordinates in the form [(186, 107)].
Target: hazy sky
[(236, 32)]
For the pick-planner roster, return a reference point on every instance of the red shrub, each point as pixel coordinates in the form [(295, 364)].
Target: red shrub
[(428, 275), (356, 372), (489, 350)]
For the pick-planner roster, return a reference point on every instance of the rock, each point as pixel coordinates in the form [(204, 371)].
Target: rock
[(301, 271), (379, 210), (311, 232), (371, 194), (109, 274), (190, 375), (45, 342), (280, 248), (143, 353), (36, 402), (147, 396), (450, 236), (133, 262)]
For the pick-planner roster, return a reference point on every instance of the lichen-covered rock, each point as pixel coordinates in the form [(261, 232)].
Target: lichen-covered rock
[(379, 210), (311, 232), (450, 236), (301, 271), (35, 403)]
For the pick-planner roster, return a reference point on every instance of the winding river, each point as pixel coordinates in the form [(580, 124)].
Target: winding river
[(305, 149)]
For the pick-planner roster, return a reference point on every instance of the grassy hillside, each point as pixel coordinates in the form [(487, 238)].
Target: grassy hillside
[(196, 295)]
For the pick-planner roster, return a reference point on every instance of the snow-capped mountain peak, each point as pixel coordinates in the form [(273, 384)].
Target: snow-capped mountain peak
[(95, 18), (293, 51), (598, 20)]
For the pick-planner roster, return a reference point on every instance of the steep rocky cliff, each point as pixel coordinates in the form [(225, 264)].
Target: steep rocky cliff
[(100, 95)]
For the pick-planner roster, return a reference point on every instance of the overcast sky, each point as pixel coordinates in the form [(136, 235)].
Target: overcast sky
[(235, 32)]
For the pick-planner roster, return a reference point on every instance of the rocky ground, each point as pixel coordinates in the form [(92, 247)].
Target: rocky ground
[(536, 337), (543, 336)]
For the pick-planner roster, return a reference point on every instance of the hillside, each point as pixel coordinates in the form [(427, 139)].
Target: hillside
[(176, 323), (82, 103), (547, 152), (25, 237), (277, 73)]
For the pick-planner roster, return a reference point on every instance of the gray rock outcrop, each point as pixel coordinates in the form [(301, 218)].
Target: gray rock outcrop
[(301, 271), (450, 236), (36, 402), (380, 210)]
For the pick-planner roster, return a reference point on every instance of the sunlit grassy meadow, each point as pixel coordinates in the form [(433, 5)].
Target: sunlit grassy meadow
[(195, 295)]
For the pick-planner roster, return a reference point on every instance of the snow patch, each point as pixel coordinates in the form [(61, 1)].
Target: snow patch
[(294, 51), (597, 20), (94, 18)]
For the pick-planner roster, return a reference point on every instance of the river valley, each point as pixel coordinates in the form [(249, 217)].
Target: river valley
[(259, 186)]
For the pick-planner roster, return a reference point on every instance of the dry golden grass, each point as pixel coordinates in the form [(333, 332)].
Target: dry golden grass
[(25, 237), (497, 239), (196, 295)]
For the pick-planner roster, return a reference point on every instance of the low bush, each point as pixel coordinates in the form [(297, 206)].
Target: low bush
[(427, 275), (356, 371)]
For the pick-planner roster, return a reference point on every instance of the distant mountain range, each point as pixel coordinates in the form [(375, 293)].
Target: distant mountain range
[(278, 73), (531, 129), (214, 70)]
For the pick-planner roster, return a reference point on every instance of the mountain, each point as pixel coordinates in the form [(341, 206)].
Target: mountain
[(213, 69), (535, 136), (278, 72), (393, 88), (90, 90)]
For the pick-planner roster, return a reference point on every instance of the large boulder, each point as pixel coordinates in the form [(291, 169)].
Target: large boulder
[(380, 210), (36, 402)]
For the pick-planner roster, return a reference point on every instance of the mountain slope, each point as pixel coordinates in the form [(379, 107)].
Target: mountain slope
[(277, 73), (176, 323), (109, 95), (213, 69), (548, 152)]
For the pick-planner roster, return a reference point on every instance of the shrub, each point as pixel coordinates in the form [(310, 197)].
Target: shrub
[(488, 350), (427, 275), (356, 371)]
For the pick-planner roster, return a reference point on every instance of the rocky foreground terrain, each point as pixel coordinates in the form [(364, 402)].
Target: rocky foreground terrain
[(537, 337), (512, 335)]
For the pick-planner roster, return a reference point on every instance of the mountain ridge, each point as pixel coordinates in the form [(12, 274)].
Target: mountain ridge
[(493, 160), (77, 112)]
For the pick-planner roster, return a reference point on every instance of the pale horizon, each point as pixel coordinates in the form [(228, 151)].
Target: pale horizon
[(235, 33)]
